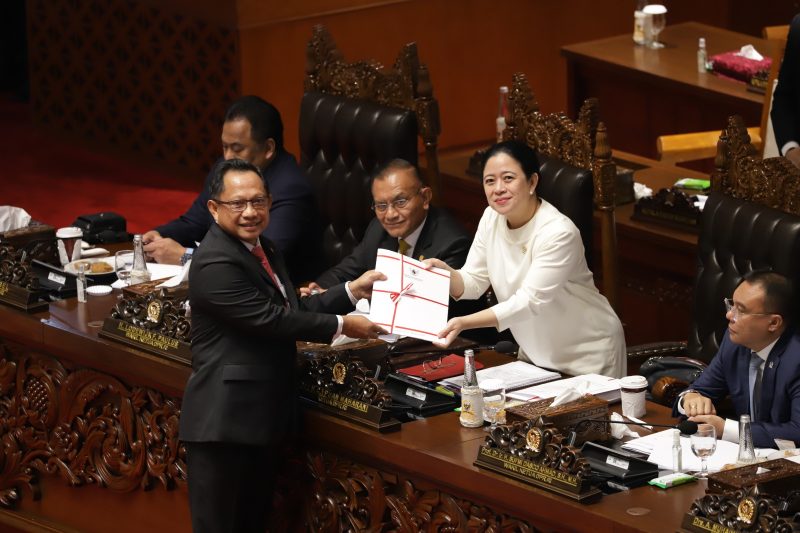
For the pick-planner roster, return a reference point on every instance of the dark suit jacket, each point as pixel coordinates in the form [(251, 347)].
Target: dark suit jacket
[(441, 237), (294, 224), (241, 389), (786, 99), (779, 408)]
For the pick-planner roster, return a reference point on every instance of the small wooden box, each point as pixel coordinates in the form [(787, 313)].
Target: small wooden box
[(777, 477), (38, 240), (566, 417)]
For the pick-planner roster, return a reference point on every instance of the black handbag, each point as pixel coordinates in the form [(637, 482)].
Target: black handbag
[(667, 376), (103, 228)]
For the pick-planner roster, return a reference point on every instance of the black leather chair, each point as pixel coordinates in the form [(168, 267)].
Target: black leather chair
[(354, 118), (577, 173), (738, 234)]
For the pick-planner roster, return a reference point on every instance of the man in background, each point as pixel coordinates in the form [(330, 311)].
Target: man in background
[(757, 365), (404, 222), (253, 131)]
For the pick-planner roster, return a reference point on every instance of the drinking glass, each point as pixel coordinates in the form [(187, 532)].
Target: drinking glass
[(658, 20), (704, 443), (123, 262), (494, 402)]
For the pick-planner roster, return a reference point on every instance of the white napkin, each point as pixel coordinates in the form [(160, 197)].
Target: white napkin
[(640, 190), (621, 430), (12, 218), (178, 278), (748, 51)]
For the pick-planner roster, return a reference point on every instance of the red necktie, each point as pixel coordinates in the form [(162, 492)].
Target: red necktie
[(258, 251)]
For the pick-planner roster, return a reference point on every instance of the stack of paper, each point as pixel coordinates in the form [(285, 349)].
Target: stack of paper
[(726, 453), (515, 375), (603, 387)]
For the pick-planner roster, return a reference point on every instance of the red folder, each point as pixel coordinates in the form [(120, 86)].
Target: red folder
[(439, 368)]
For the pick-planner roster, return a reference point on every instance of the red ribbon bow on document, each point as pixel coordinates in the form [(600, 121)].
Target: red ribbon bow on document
[(394, 296)]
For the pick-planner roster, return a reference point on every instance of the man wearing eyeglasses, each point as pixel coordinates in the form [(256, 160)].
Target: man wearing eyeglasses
[(239, 403), (404, 222), (757, 365), (253, 131)]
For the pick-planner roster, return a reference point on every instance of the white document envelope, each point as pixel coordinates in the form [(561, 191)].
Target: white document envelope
[(412, 301)]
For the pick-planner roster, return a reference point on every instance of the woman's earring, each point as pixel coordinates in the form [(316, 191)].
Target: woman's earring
[(532, 193)]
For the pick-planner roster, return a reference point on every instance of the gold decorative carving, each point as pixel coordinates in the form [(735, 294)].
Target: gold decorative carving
[(83, 426), (347, 496), (343, 374), (15, 268), (161, 311), (741, 173), (744, 510), (405, 85)]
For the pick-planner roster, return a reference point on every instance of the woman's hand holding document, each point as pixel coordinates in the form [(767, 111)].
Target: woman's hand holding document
[(413, 300)]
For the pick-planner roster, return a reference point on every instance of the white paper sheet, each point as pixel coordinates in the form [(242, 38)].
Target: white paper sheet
[(725, 454), (515, 375), (601, 386), (411, 301)]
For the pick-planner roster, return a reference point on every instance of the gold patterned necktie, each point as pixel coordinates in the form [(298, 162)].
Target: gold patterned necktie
[(403, 247)]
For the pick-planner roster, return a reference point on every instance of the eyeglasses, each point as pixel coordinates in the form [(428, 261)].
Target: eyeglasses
[(398, 204), (730, 307), (435, 364), (237, 206)]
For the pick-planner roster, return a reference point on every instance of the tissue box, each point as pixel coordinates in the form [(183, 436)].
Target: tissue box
[(772, 477), (566, 417), (37, 238), (737, 67)]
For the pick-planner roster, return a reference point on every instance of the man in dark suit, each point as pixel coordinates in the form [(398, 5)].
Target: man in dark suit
[(253, 131), (785, 112), (760, 353), (404, 221), (240, 398)]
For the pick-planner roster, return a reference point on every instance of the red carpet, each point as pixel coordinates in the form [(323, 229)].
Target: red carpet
[(56, 181)]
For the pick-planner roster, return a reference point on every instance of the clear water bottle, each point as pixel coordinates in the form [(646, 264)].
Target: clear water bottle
[(139, 272), (747, 453), (639, 22), (80, 283), (702, 55), (502, 113), (471, 394)]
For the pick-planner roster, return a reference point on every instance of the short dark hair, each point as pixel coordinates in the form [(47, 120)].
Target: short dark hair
[(397, 165), (265, 120), (236, 165), (519, 151), (778, 292)]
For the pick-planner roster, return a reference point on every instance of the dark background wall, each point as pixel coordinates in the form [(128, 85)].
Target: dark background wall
[(152, 79)]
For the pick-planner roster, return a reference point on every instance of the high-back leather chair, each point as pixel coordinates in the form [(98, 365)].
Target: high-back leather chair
[(577, 173), (354, 118), (751, 221)]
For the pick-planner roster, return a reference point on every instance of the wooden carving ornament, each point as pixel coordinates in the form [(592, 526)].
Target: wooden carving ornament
[(83, 426), (15, 268), (344, 374), (739, 172)]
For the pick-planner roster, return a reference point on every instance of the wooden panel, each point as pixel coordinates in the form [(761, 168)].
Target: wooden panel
[(132, 78), (251, 13)]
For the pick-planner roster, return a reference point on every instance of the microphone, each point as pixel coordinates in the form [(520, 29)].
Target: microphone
[(507, 347), (687, 427)]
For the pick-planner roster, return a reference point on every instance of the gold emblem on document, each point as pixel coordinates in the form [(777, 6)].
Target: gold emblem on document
[(339, 373), (524, 250), (747, 511), (533, 440), (154, 311)]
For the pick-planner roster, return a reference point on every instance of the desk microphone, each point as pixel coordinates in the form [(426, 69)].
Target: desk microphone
[(501, 347), (687, 427)]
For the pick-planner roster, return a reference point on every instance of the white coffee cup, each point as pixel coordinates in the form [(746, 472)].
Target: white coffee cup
[(69, 244), (633, 390)]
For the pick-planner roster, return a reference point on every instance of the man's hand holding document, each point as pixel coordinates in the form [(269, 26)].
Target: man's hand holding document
[(413, 300)]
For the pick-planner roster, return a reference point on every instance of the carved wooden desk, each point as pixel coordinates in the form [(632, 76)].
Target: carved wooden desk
[(89, 427), (646, 93)]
